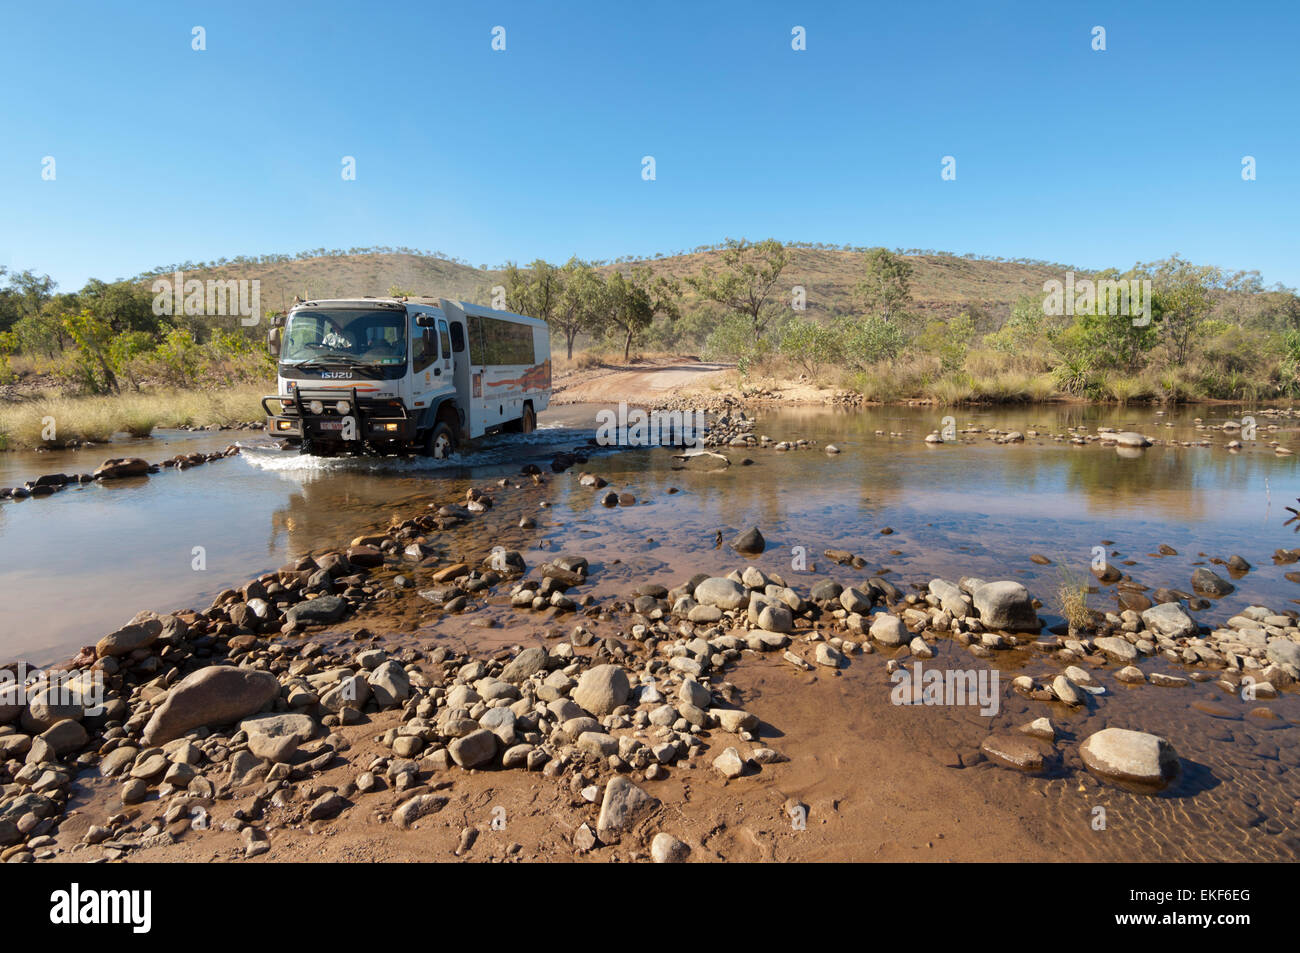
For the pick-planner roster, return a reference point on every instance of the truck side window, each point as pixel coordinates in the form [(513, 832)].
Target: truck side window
[(444, 339), (458, 337), (426, 350)]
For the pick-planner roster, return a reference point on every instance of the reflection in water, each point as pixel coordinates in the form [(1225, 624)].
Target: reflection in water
[(78, 564)]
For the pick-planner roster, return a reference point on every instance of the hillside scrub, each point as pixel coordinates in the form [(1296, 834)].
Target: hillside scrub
[(890, 325)]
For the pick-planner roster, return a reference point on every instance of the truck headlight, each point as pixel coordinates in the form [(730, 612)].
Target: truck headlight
[(316, 407), (343, 407)]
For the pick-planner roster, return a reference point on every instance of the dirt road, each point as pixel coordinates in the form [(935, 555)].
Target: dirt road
[(642, 381)]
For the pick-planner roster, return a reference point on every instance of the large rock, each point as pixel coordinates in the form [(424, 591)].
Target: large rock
[(1130, 438), (216, 695), (319, 611), (1133, 758), (1283, 652), (601, 689), (750, 542), (1208, 583), (473, 749), (528, 662), (889, 629), (721, 592), (950, 597), (389, 684), (277, 737), (1169, 619), (132, 636), (119, 467), (624, 804), (1006, 605), (1121, 650)]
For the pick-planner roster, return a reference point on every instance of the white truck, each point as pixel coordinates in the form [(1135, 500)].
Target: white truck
[(390, 375)]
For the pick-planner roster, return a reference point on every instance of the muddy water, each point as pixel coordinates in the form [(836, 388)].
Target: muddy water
[(74, 566)]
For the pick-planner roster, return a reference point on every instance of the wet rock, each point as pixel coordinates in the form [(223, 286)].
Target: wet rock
[(889, 629), (1016, 751), (319, 611), (1005, 605), (750, 542), (1169, 619), (1208, 583), (721, 592), (217, 695), (1132, 758), (121, 467), (1119, 649)]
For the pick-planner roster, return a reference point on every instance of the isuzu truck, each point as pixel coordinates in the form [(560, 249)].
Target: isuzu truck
[(392, 375)]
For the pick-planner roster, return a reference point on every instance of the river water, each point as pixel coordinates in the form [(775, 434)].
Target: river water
[(75, 565), (78, 564)]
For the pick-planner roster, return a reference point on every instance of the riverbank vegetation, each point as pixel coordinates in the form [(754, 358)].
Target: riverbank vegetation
[(889, 325)]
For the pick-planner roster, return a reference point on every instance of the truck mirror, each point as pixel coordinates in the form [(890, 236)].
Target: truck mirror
[(273, 341), (425, 321)]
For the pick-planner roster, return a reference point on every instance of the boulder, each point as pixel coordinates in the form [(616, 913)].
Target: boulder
[(601, 689), (319, 611), (623, 805), (473, 749), (526, 663), (750, 542), (119, 467), (889, 629), (1169, 619), (132, 636), (1133, 758), (216, 695), (1006, 605), (277, 737), (721, 592)]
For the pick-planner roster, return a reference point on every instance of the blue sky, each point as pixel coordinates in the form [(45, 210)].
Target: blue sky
[(165, 154)]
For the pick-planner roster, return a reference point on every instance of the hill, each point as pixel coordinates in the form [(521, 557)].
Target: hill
[(941, 283)]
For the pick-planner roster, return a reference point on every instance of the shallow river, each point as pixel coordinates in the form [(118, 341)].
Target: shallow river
[(75, 565), (78, 564)]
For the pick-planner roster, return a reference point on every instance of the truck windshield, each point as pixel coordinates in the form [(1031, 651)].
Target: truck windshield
[(347, 336)]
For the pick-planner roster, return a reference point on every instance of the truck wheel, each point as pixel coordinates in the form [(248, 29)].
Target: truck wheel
[(441, 442), (528, 423)]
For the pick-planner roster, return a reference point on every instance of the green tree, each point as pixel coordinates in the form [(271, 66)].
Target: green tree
[(744, 285), (886, 284), (632, 302), (580, 307)]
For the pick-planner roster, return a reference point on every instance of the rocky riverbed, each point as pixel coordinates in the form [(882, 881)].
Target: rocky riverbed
[(292, 710), (552, 666)]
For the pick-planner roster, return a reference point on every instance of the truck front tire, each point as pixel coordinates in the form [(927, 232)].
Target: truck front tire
[(441, 441), (528, 422)]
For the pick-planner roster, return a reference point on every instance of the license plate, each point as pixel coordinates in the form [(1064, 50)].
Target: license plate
[(331, 425)]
